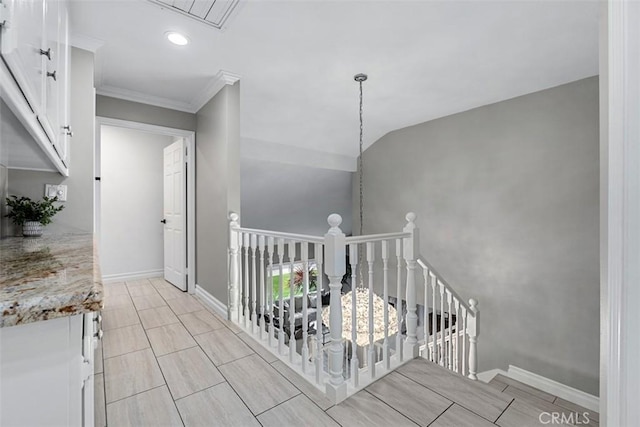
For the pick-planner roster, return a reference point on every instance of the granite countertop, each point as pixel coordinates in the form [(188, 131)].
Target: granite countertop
[(47, 277)]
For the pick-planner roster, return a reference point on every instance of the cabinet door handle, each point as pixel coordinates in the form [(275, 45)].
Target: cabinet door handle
[(52, 75), (68, 130), (46, 53), (164, 221)]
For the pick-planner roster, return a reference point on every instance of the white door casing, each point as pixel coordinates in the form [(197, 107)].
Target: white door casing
[(175, 214)]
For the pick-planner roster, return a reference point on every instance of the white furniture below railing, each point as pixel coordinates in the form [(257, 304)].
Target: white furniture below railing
[(370, 343)]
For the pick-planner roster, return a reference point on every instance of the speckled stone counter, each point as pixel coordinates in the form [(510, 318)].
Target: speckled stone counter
[(47, 277)]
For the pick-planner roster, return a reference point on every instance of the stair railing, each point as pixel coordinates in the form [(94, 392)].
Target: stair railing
[(292, 328)]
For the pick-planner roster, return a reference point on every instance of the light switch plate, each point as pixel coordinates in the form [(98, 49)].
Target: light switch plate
[(53, 190)]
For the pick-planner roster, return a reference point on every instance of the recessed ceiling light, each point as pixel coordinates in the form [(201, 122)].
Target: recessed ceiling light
[(177, 38)]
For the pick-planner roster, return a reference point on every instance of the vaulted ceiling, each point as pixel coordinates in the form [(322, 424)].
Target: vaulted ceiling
[(296, 60)]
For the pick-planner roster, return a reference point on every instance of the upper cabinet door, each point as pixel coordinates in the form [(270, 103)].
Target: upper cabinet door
[(22, 46), (48, 115), (64, 84)]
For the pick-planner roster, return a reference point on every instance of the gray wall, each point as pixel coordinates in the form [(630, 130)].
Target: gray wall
[(293, 198), (78, 213), (115, 108), (217, 186), (507, 197)]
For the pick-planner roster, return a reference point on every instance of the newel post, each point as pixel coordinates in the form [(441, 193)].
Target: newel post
[(234, 263), (473, 330), (335, 268), (411, 251)]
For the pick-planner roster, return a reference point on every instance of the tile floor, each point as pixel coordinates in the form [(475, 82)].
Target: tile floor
[(166, 360)]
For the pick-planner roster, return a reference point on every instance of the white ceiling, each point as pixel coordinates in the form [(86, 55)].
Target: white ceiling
[(296, 60)]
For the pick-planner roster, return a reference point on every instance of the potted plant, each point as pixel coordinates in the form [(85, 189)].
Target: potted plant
[(32, 215)]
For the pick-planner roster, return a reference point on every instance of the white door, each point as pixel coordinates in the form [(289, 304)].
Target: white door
[(175, 239)]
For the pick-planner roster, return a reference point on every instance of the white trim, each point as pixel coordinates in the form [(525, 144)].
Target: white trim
[(19, 168), (212, 302), (487, 376), (190, 137), (85, 42), (555, 388), (143, 98), (121, 277), (217, 82)]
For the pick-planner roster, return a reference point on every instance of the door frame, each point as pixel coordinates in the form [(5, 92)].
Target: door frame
[(190, 139)]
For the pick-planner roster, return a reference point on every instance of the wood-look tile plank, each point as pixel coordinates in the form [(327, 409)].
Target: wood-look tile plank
[(362, 409), (124, 340), (401, 393), (222, 346), (142, 290), (258, 348), (313, 393), (525, 387), (520, 414), (144, 302), (98, 367), (169, 338), (151, 408), (155, 317), (498, 385), (218, 405), (544, 405), (117, 301), (115, 289), (184, 304), (476, 396), (299, 411), (263, 389), (166, 289), (99, 404), (457, 416), (593, 415), (119, 317), (199, 322), (130, 374), (188, 371)]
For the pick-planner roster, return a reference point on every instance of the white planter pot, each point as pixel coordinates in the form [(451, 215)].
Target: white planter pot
[(31, 229)]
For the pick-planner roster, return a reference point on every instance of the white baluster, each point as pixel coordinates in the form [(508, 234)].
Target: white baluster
[(473, 330), (434, 319), (385, 297), (399, 345), (425, 317), (291, 253), (319, 334), (335, 268), (441, 347), (269, 304), (234, 274), (464, 341), (304, 248), (411, 250), (254, 282), (355, 367), (456, 347), (261, 306), (247, 243), (450, 329), (281, 331), (371, 362)]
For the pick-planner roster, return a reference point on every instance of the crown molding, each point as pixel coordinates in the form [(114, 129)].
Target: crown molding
[(216, 84), (220, 80), (85, 42), (143, 98)]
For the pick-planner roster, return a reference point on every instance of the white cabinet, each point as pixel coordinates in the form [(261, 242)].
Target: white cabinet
[(34, 43), (46, 369)]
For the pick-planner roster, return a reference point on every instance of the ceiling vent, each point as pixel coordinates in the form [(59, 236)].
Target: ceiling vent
[(211, 12)]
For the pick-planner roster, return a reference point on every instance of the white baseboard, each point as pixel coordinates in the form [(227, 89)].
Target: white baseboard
[(487, 376), (137, 275), (211, 301)]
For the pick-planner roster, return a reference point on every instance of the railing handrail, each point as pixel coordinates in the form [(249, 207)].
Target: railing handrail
[(424, 264), (281, 235), (377, 237)]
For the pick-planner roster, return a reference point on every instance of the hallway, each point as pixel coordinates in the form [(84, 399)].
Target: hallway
[(166, 360)]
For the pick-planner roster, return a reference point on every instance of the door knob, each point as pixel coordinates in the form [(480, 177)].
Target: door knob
[(164, 221)]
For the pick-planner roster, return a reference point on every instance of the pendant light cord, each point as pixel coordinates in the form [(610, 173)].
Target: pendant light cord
[(361, 174)]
